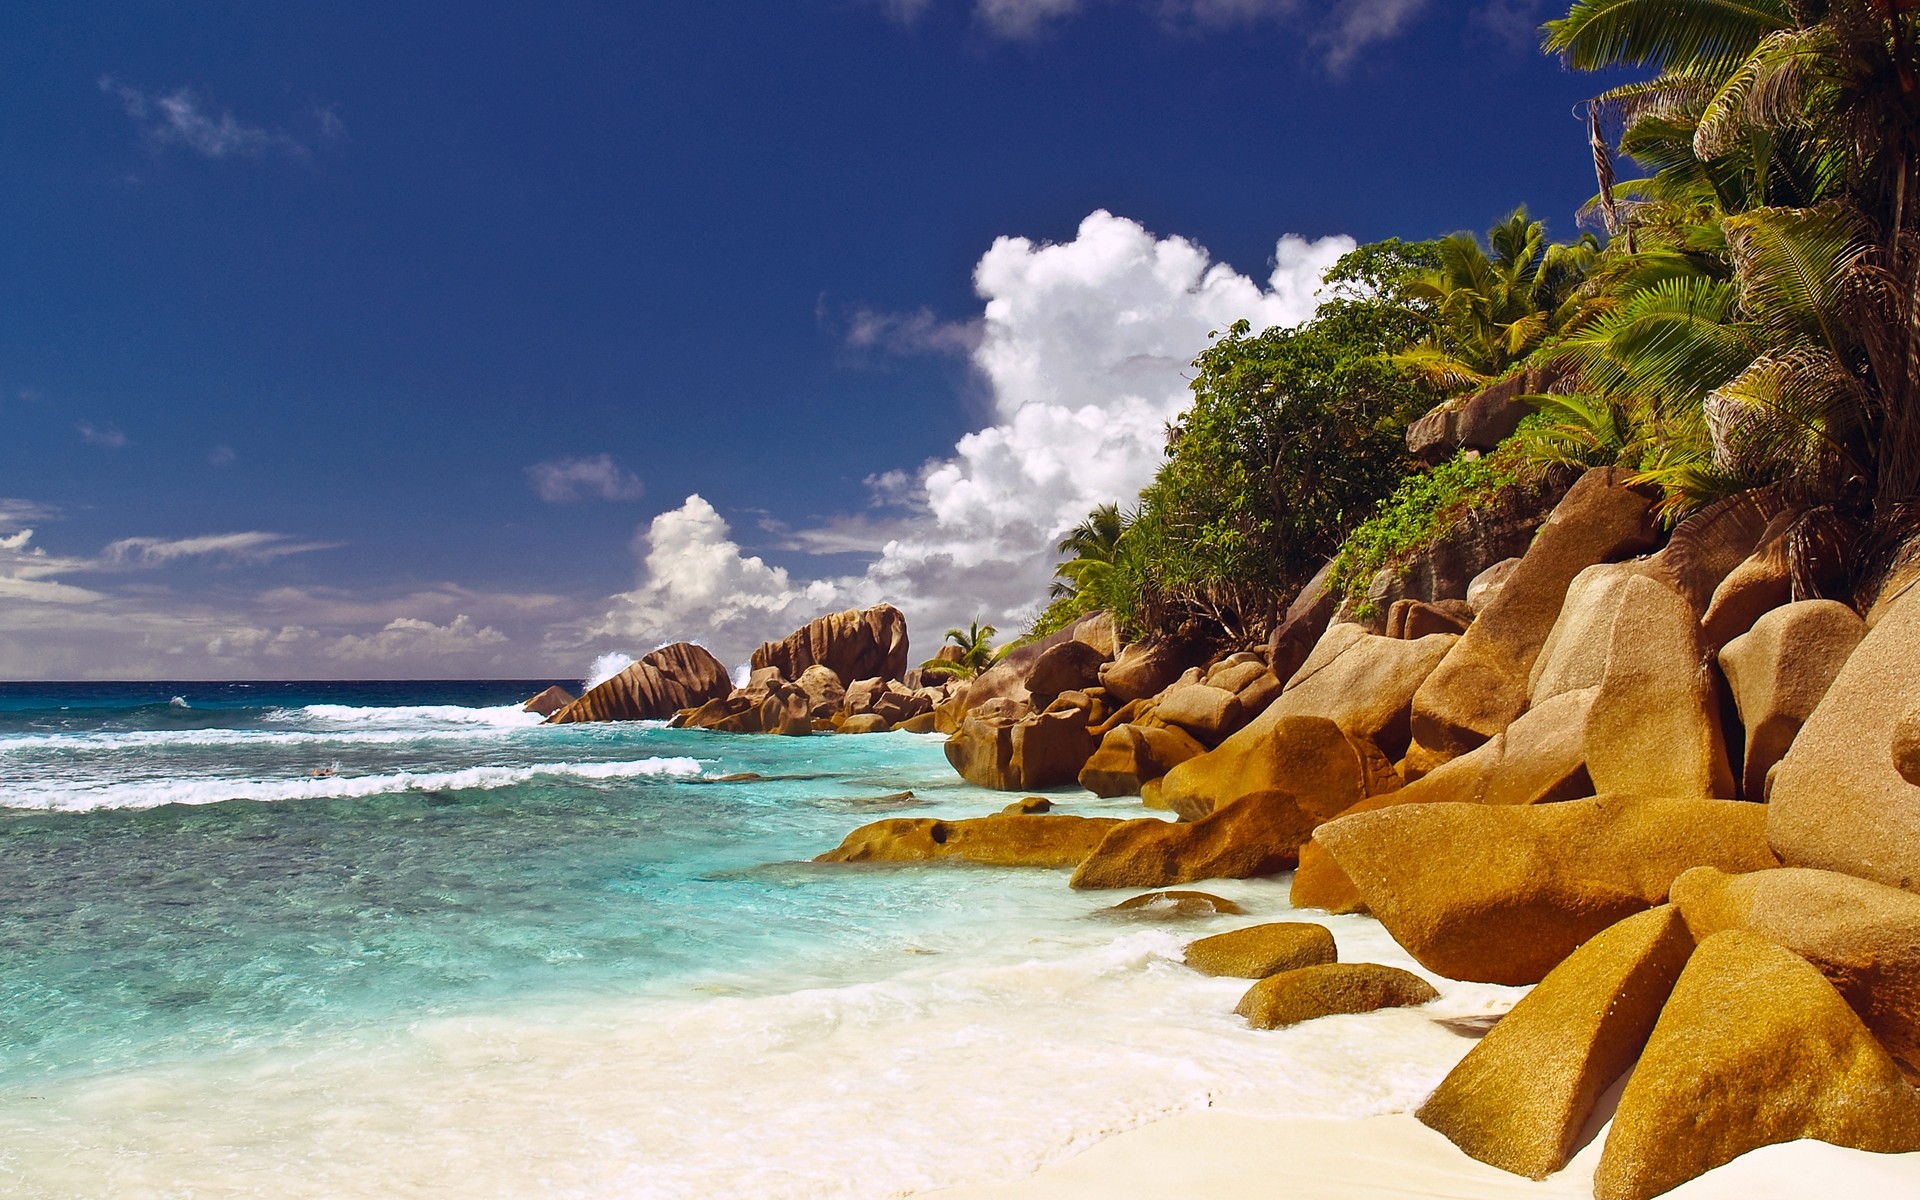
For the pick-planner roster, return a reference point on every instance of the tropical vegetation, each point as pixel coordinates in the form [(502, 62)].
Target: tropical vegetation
[(977, 653), (1744, 313)]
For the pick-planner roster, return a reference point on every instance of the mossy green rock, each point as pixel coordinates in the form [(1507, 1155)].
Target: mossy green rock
[(1262, 950), (1295, 996)]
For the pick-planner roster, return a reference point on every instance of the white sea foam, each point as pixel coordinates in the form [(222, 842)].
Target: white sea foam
[(510, 716), (82, 796), (979, 1062), (604, 668)]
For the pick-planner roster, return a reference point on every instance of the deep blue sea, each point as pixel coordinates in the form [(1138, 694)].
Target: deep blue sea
[(396, 939)]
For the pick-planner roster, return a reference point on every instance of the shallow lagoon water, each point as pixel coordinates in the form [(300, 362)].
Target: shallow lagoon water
[(481, 956)]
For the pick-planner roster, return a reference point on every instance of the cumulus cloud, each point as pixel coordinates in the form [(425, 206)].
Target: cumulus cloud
[(251, 546), (412, 638), (1084, 347), (182, 118), (571, 480), (696, 583), (101, 435)]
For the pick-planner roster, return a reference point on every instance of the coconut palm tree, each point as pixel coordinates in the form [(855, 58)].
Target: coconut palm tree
[(1090, 546), (976, 652)]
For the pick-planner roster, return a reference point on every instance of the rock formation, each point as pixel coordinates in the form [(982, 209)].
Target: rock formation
[(855, 644), (681, 675)]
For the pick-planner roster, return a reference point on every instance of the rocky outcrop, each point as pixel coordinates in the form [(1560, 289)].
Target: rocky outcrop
[(1417, 618), (1758, 585), (1753, 1048), (1003, 840), (1302, 625), (550, 701), (1031, 753), (1145, 669), (1324, 769), (681, 675), (1258, 834), (824, 690), (1175, 906), (1006, 679), (855, 644), (1482, 685), (1480, 420), (1071, 666), (1863, 936), (1839, 801), (1522, 1095), (1502, 894), (1206, 713), (1778, 671), (1262, 950), (1441, 572), (1636, 639), (1309, 992), (1131, 755)]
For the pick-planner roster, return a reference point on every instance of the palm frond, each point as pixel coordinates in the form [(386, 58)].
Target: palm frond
[(1697, 36)]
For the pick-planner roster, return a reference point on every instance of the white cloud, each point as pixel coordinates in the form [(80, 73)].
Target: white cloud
[(1339, 31), (1085, 347), (252, 546), (181, 118), (918, 332), (571, 480), (29, 574), (412, 638), (101, 435)]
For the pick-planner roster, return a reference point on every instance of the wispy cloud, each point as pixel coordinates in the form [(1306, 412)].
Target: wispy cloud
[(412, 638), (1338, 32), (183, 118), (917, 332), (571, 480), (102, 435), (251, 546)]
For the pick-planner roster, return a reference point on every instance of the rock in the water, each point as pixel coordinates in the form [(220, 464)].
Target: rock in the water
[(1258, 834), (1838, 800), (1522, 1095), (1071, 666), (1130, 755), (863, 723), (1779, 670), (1031, 806), (855, 644), (1501, 893), (1262, 950), (1176, 905), (677, 676), (1039, 750), (1482, 685), (1002, 840), (550, 701), (1295, 996), (1310, 758), (1863, 936), (1207, 713), (1753, 1048)]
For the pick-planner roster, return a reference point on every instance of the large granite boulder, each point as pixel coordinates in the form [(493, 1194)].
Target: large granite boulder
[(1758, 585), (1503, 893), (1262, 950), (1863, 936), (1323, 991), (1146, 669), (1522, 1095), (1839, 801), (1036, 751), (1753, 1048), (1705, 549), (1071, 666), (1637, 640), (1779, 670), (676, 676), (1258, 834), (1130, 755), (1207, 713), (1482, 685), (1002, 840), (856, 644), (1324, 769), (824, 691), (1302, 625)]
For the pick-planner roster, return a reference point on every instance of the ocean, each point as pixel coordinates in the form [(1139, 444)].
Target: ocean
[(401, 939)]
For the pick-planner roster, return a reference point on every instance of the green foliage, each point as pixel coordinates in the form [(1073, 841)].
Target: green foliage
[(976, 652), (1293, 436), (1424, 506)]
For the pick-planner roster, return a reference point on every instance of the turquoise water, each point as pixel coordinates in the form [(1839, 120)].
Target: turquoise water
[(402, 939)]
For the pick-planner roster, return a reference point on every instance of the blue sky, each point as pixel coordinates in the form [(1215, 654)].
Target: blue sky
[(450, 340)]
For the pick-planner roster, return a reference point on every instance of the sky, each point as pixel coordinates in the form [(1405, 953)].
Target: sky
[(438, 340)]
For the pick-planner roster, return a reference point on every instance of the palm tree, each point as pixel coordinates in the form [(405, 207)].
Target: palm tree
[(976, 652), (1487, 311), (1091, 546)]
